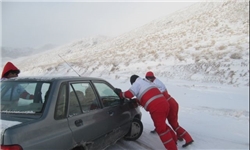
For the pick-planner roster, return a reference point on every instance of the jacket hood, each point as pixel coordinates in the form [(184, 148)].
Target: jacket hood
[(150, 74), (8, 67)]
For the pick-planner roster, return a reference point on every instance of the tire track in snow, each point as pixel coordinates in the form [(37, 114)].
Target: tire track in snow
[(144, 145), (126, 145)]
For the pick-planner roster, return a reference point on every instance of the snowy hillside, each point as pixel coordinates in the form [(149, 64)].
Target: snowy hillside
[(206, 42)]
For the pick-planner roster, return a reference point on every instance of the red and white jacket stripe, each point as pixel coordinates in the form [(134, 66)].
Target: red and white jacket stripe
[(162, 88), (145, 91)]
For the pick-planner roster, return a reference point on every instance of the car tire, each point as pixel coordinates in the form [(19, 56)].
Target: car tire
[(135, 130)]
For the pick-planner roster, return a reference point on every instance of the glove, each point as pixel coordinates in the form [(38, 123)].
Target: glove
[(133, 100), (117, 91)]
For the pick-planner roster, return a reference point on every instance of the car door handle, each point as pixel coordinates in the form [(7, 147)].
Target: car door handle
[(111, 113), (78, 122)]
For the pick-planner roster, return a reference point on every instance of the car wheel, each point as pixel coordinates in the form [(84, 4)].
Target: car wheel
[(135, 130)]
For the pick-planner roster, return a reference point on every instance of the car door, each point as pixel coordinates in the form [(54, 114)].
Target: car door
[(87, 120), (118, 111)]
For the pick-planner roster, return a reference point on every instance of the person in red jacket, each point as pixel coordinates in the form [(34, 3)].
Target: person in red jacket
[(151, 98), (11, 71), (173, 112)]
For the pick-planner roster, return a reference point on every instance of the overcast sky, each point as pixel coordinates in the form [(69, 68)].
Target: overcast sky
[(34, 24)]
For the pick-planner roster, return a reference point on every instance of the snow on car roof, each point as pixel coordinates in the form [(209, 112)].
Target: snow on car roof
[(42, 78)]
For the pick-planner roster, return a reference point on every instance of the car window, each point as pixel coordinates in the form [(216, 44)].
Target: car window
[(82, 98), (60, 110), (74, 104), (13, 101), (107, 95), (91, 98)]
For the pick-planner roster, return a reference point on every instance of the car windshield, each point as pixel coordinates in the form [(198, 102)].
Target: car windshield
[(23, 97)]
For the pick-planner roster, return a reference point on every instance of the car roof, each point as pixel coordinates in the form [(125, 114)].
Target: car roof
[(52, 78)]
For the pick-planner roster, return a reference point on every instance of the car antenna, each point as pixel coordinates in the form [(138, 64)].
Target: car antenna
[(69, 66)]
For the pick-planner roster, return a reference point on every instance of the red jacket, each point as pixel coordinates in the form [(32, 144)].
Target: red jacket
[(146, 92)]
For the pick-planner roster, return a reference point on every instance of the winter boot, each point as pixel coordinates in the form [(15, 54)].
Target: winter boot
[(186, 144), (182, 133), (187, 138)]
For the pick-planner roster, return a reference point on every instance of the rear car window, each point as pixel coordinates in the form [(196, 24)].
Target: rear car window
[(23, 97)]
